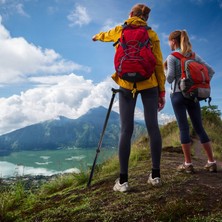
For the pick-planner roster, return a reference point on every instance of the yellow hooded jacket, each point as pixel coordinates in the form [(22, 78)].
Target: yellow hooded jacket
[(158, 78)]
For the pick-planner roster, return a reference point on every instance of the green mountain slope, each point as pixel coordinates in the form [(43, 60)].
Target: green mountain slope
[(63, 132)]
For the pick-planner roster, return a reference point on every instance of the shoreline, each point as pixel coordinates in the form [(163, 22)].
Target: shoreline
[(28, 181)]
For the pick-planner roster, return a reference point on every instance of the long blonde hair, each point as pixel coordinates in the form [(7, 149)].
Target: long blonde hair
[(140, 10), (182, 39)]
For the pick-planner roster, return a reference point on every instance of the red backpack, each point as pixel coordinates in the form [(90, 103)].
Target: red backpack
[(195, 80), (134, 60)]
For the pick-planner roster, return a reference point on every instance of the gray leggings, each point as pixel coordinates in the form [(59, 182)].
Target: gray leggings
[(127, 106)]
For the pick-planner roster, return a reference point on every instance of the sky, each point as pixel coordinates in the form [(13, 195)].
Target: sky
[(50, 67)]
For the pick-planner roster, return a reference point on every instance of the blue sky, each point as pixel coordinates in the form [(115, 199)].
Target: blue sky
[(49, 66)]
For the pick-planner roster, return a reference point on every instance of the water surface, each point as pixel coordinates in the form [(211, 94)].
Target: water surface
[(51, 162)]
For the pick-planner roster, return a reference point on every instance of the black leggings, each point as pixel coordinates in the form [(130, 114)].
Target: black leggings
[(127, 106)]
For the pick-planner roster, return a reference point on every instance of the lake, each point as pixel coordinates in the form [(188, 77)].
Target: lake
[(51, 162)]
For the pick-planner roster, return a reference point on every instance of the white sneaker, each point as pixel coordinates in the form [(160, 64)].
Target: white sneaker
[(121, 187), (156, 182)]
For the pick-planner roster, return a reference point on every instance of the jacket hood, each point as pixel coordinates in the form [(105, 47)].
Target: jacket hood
[(135, 21)]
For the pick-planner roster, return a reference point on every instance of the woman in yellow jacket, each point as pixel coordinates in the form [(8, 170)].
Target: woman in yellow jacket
[(153, 98)]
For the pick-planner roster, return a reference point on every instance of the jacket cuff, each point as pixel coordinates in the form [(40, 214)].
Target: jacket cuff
[(162, 94)]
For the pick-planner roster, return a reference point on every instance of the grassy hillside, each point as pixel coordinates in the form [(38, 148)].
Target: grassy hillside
[(183, 197)]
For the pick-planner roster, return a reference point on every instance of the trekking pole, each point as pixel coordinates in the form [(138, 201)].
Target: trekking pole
[(101, 137)]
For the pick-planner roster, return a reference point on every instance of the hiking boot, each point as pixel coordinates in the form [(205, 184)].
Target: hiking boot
[(121, 187), (211, 167), (156, 182), (185, 168)]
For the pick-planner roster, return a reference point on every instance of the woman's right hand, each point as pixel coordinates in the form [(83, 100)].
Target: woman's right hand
[(161, 103), (94, 38)]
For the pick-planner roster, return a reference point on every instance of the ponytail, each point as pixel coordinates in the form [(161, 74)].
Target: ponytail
[(185, 44)]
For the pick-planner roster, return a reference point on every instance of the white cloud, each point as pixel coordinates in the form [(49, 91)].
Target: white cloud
[(79, 16), (20, 59), (70, 96), (196, 38), (52, 9), (10, 7), (20, 10), (155, 26), (165, 38), (4, 33), (109, 24), (163, 118)]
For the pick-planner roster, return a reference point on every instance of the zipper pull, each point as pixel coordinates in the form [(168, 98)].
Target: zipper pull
[(134, 92)]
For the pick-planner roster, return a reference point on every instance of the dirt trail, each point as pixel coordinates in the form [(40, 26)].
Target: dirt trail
[(201, 182), (200, 153)]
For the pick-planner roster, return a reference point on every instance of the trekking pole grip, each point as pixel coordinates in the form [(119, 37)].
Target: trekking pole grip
[(116, 90)]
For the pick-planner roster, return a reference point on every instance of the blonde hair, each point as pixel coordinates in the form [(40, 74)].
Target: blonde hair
[(182, 39), (141, 11)]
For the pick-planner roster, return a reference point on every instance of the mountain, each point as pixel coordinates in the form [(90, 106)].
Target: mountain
[(63, 132)]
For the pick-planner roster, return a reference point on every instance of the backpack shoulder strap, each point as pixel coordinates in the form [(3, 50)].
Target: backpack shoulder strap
[(180, 56), (182, 59), (193, 55), (123, 27), (177, 55)]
